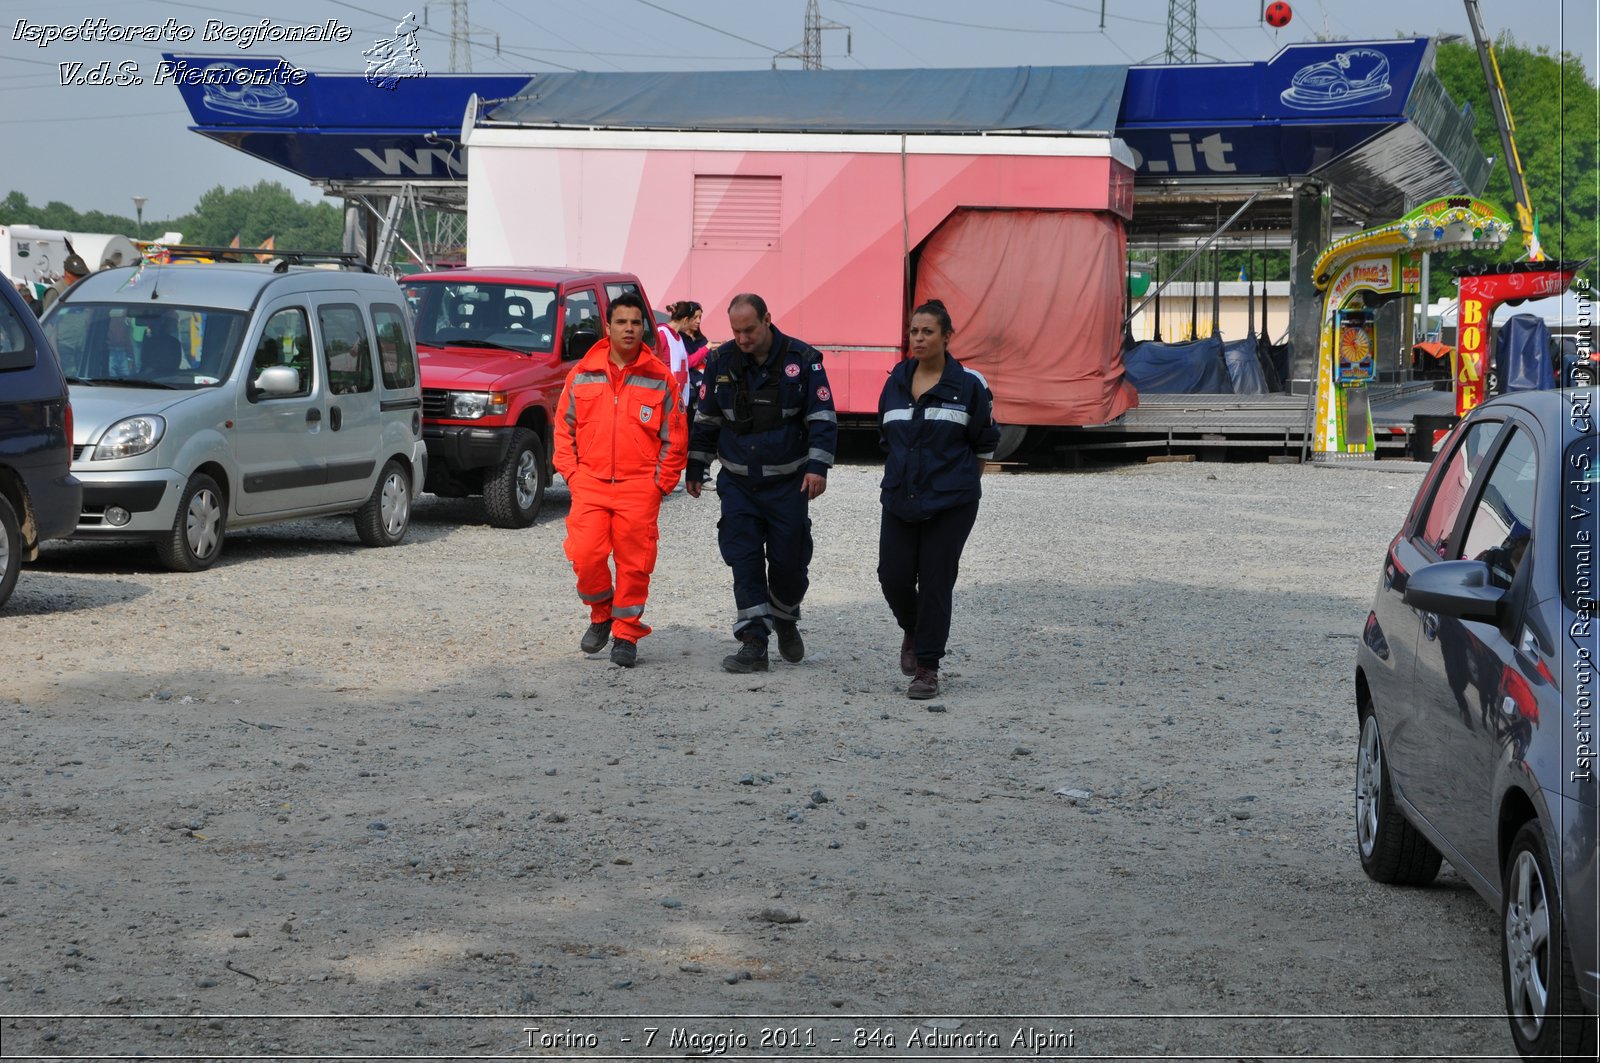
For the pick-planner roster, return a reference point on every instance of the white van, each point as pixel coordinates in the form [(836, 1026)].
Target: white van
[(224, 395)]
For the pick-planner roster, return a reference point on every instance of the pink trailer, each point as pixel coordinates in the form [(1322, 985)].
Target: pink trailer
[(1020, 234)]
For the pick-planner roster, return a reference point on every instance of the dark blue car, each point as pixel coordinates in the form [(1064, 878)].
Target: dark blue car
[(1475, 688), (39, 496)]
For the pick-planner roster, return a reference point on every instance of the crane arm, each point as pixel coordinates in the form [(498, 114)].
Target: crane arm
[(1503, 121)]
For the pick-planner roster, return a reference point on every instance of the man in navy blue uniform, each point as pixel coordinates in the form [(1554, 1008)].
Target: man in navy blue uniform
[(766, 412)]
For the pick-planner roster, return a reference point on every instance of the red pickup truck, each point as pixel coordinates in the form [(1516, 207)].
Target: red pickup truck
[(494, 346)]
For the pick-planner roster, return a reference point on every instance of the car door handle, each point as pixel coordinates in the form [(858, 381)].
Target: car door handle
[(335, 418), (1430, 626), (313, 416)]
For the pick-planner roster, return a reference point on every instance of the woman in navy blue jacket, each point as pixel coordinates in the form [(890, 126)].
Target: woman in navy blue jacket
[(936, 424)]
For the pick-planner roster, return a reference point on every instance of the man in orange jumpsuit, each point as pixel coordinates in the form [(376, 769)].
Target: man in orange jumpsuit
[(621, 444)]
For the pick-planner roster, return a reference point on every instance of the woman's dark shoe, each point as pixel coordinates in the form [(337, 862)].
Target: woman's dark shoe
[(924, 685), (908, 659)]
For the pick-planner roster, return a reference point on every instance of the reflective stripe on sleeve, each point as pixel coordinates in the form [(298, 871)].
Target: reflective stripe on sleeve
[(824, 415), (820, 455), (702, 456)]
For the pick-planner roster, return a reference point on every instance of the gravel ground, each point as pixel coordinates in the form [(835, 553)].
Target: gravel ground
[(322, 780)]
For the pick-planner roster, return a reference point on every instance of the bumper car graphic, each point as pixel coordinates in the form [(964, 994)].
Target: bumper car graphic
[(228, 89), (1356, 76)]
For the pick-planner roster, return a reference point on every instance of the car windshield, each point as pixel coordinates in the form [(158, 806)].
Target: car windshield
[(482, 314), (182, 348)]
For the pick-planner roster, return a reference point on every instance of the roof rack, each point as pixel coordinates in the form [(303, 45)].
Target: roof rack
[(168, 254)]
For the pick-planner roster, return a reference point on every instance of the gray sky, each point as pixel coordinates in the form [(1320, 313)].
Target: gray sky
[(96, 147)]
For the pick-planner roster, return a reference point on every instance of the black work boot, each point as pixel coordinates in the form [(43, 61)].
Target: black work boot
[(752, 657), (790, 644), (595, 639), (624, 652)]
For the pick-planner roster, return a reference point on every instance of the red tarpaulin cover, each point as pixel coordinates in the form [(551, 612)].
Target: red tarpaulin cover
[(1037, 300)]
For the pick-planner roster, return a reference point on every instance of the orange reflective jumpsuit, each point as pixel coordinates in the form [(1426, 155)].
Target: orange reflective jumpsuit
[(621, 442)]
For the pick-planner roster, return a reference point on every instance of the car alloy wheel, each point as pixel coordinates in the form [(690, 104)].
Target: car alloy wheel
[(1369, 786), (1392, 849), (1548, 1016), (513, 491), (1528, 945)]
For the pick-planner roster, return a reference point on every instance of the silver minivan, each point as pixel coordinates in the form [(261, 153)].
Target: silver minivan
[(210, 396)]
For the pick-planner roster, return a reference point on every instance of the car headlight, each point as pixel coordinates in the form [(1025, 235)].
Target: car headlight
[(471, 405), (129, 437)]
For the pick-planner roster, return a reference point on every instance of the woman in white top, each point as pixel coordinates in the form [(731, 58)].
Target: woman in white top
[(672, 346)]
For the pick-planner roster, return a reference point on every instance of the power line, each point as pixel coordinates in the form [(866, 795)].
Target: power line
[(502, 4), (1108, 14), (963, 25), (706, 25)]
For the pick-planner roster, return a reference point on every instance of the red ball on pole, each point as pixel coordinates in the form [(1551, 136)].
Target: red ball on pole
[(1279, 14)]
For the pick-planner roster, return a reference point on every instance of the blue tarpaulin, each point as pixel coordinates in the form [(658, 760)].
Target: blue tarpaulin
[(1056, 98), (1177, 368), (1245, 367), (1522, 355)]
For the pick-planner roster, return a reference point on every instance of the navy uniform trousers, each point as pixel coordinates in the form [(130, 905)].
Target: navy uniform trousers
[(765, 537)]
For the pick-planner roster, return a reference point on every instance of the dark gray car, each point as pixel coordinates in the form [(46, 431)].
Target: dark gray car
[(1475, 687), (39, 496)]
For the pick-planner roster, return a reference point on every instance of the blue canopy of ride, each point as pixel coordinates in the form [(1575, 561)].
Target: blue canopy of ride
[(965, 100), (1522, 359), (1195, 368)]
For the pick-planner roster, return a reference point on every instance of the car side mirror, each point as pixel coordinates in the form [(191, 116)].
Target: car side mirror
[(579, 341), (277, 380), (1456, 588)]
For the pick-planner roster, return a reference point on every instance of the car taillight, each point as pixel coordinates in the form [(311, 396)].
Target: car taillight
[(66, 417), (1516, 696)]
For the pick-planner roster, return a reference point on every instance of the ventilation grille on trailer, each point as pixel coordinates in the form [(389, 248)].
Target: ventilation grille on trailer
[(737, 211)]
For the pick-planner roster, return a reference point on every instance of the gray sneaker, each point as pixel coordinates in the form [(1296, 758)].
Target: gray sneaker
[(790, 644), (595, 639), (752, 657)]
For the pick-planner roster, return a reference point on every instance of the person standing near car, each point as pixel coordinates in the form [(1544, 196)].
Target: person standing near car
[(936, 427), (696, 348), (669, 346), (766, 412), (620, 438), (73, 270)]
